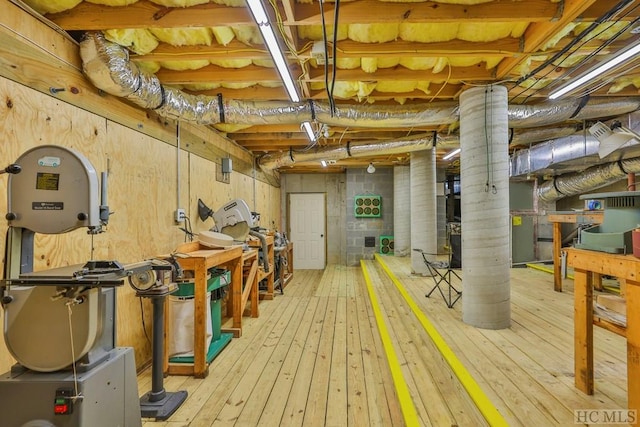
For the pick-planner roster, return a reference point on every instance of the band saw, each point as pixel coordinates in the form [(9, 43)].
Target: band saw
[(60, 324)]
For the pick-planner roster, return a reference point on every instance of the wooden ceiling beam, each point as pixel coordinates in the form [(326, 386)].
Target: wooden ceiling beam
[(400, 73), (539, 33), (451, 49), (145, 14), (376, 12)]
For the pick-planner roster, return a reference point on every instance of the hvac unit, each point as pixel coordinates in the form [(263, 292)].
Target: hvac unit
[(368, 206), (386, 245)]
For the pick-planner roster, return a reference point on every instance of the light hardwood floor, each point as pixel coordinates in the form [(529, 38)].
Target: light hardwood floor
[(314, 358)]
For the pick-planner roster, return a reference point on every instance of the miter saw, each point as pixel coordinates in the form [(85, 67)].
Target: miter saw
[(59, 324), (234, 219)]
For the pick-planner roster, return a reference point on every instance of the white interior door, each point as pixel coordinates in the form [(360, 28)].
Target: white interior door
[(307, 230)]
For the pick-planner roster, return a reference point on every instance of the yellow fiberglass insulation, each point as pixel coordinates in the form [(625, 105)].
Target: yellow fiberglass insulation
[(231, 63), (424, 87), (113, 2), (197, 87), (230, 127), (140, 41), (232, 3), (604, 31), (151, 67), (270, 84), (184, 36), (428, 33), (179, 3), (623, 82), (559, 35), (230, 85), (347, 63), (486, 31), (184, 65), (418, 63), (373, 33), (314, 32), (398, 86), (52, 6), (248, 34), (266, 63), (223, 35)]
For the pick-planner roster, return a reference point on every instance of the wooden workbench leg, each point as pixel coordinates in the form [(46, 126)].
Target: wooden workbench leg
[(236, 293), (633, 348), (583, 330), (597, 281), (201, 305), (557, 247)]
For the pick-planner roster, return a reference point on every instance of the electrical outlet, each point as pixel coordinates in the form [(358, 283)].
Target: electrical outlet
[(180, 215)]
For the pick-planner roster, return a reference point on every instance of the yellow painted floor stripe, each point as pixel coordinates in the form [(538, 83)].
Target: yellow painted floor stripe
[(406, 402), (486, 407)]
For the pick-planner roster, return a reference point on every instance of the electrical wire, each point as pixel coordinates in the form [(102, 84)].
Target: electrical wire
[(326, 59), (336, 13), (611, 13)]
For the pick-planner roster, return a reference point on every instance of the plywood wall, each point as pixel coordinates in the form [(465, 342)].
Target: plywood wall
[(144, 188)]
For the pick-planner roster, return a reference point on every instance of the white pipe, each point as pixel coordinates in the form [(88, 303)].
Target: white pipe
[(401, 211), (484, 175)]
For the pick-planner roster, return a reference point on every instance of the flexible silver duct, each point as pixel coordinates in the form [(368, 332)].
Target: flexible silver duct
[(355, 149), (108, 67), (587, 180)]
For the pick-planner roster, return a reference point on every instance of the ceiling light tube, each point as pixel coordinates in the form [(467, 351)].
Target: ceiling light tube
[(307, 128), (450, 154), (270, 40), (617, 59)]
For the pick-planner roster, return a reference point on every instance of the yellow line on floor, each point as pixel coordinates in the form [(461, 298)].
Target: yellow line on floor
[(406, 402), (486, 407)]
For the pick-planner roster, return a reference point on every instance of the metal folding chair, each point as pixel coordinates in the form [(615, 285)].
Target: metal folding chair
[(442, 271)]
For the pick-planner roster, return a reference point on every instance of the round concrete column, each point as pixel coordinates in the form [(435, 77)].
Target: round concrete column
[(484, 176), (401, 211), (424, 219)]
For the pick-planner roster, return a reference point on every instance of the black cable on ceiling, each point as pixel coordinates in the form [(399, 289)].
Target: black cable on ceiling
[(334, 69), (326, 59), (606, 16)]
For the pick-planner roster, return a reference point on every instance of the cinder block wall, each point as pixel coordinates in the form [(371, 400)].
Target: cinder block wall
[(360, 183)]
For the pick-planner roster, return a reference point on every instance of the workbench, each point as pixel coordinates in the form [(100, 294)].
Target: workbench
[(626, 267), (199, 259), (569, 217)]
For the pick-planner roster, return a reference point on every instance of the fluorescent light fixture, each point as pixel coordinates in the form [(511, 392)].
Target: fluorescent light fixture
[(371, 168), (269, 37), (450, 154), (612, 139), (616, 59), (310, 133), (323, 163)]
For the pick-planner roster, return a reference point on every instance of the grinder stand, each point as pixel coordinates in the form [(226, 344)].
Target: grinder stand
[(157, 403)]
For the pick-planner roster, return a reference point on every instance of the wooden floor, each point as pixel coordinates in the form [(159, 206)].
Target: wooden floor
[(314, 357)]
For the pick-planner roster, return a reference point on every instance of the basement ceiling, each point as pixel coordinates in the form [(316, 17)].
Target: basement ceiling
[(382, 54)]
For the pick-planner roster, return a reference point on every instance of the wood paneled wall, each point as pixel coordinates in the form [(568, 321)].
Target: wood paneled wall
[(143, 193)]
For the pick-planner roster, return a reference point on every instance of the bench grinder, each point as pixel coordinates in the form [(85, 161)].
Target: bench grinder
[(59, 324)]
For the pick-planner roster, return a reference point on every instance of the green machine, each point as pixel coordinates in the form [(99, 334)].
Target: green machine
[(621, 217), (181, 350)]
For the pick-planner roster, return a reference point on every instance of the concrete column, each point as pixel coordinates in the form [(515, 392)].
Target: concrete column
[(484, 174), (424, 219), (401, 211)]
